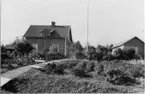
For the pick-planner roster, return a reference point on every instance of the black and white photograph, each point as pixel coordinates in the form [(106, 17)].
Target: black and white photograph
[(72, 46)]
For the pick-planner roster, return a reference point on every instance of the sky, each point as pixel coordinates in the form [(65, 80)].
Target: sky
[(110, 21)]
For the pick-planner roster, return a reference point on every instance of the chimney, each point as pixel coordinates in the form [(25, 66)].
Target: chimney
[(53, 24)]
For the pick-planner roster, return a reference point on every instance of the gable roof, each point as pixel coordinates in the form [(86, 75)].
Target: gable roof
[(35, 30), (124, 42)]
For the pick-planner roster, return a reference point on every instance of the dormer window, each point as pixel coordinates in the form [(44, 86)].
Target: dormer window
[(46, 32)]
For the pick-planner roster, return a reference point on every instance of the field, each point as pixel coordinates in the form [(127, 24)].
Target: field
[(77, 76)]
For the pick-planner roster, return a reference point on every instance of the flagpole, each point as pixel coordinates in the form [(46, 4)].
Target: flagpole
[(87, 23)]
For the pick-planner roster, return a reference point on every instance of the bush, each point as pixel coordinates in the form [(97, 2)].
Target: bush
[(125, 54), (80, 55), (82, 69), (79, 72), (90, 66), (58, 70), (98, 56), (129, 53), (118, 77), (82, 65), (100, 69), (69, 64), (54, 69), (49, 68), (135, 72)]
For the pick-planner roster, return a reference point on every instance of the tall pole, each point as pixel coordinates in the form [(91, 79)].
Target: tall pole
[(87, 23)]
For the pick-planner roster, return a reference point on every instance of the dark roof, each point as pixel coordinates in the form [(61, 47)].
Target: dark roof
[(35, 30), (123, 42)]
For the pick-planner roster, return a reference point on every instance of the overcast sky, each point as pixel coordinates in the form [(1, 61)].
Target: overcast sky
[(110, 21)]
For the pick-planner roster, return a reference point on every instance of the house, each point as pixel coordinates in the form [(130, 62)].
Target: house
[(134, 43), (53, 37), (10, 47)]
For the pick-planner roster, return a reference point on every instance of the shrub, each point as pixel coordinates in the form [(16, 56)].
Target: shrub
[(90, 66), (125, 54), (129, 53), (69, 64), (80, 55), (79, 72), (49, 68), (82, 69), (118, 54), (118, 77), (54, 69), (99, 69), (82, 65), (135, 72), (58, 70), (98, 56)]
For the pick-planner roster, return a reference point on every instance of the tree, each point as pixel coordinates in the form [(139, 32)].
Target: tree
[(78, 46), (3, 50), (91, 52), (24, 47), (74, 49)]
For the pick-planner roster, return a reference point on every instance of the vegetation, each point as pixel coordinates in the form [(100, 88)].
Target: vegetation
[(116, 72), (101, 52), (17, 58), (79, 76), (35, 81), (96, 70), (24, 47)]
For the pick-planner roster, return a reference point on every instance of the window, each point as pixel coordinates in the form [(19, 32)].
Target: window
[(54, 48), (35, 47)]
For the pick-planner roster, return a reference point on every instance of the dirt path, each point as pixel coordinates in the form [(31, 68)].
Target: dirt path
[(5, 77), (14, 73)]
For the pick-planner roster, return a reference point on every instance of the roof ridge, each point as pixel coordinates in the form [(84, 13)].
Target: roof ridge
[(55, 26), (125, 41)]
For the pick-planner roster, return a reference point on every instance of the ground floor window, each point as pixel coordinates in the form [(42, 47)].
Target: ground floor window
[(54, 48), (35, 47)]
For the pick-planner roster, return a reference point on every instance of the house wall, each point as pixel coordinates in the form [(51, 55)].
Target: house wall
[(43, 43), (136, 43)]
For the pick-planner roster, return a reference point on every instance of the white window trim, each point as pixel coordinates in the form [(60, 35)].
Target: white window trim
[(55, 45), (36, 46)]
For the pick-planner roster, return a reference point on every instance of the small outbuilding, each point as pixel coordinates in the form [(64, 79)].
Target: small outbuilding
[(134, 43)]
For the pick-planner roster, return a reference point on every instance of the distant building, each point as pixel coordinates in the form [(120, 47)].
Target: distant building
[(10, 47), (134, 43), (53, 37)]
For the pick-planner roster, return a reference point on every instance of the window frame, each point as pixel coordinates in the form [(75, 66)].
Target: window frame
[(35, 45), (54, 45)]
